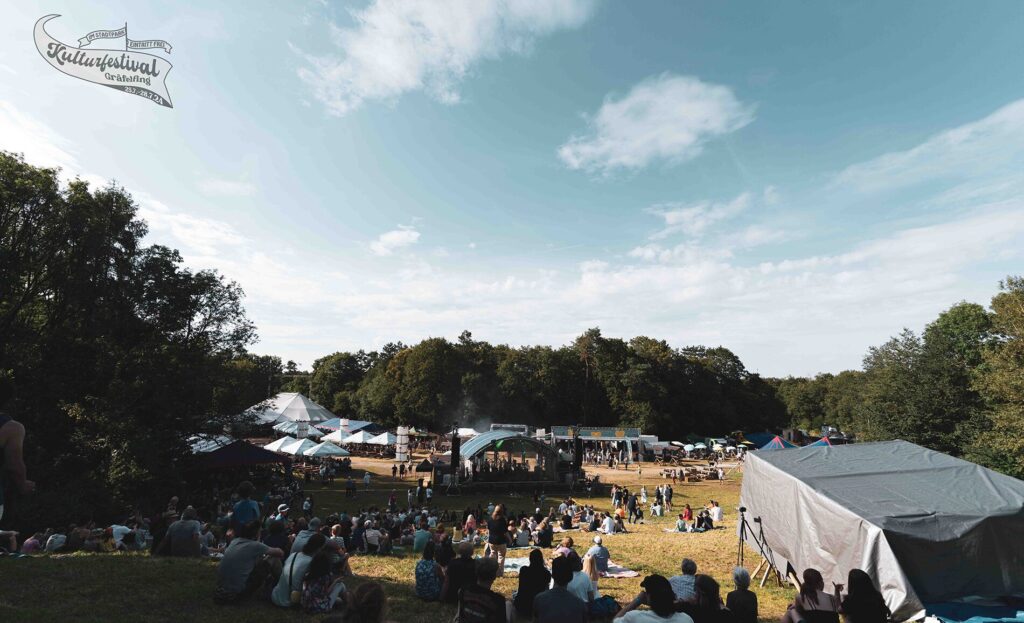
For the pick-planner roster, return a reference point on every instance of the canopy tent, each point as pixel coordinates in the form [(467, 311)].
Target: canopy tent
[(238, 454), (345, 424), (292, 428), (325, 449), (821, 442), (689, 447), (275, 446), (778, 443), (288, 407), (758, 439), (928, 527), (360, 437), (298, 447), (384, 439), (335, 437), (699, 446), (467, 432), (208, 443)]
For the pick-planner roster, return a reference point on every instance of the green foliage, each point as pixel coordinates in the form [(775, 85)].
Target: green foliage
[(114, 352)]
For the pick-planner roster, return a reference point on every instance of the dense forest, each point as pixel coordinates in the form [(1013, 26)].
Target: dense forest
[(113, 354)]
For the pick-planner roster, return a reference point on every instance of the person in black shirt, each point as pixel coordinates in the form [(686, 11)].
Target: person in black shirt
[(477, 602), (708, 607), (497, 536), (742, 602), (863, 603), (461, 572), (533, 580)]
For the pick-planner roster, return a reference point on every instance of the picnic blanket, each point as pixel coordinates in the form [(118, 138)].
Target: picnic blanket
[(616, 571), (558, 529), (512, 565)]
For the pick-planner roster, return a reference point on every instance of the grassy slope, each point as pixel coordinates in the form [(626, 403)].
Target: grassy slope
[(118, 587)]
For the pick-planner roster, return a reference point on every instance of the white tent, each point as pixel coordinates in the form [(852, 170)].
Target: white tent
[(335, 437), (208, 443), (292, 428), (280, 443), (467, 432), (289, 407), (326, 449), (360, 437), (298, 447), (384, 439)]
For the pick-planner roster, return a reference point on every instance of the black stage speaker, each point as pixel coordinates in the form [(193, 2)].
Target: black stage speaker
[(577, 453), (456, 459)]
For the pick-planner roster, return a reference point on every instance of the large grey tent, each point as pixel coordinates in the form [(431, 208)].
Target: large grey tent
[(928, 527)]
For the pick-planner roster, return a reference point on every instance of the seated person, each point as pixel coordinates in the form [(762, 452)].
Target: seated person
[(293, 570), (545, 534), (683, 585), (477, 602), (607, 525), (247, 565), (742, 602), (321, 590), (704, 521), (657, 510), (812, 603), (429, 575), (558, 605), (681, 524), (566, 521), (461, 573), (522, 538), (657, 595), (600, 555), (533, 580)]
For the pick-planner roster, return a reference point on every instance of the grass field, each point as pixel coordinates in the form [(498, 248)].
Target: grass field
[(122, 587)]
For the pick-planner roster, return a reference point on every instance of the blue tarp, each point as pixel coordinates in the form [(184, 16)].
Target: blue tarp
[(777, 444), (958, 612)]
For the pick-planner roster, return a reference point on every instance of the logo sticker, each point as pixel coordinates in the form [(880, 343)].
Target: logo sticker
[(135, 73)]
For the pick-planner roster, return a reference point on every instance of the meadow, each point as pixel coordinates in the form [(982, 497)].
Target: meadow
[(136, 587)]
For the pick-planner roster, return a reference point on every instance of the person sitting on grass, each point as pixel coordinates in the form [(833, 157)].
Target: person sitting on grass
[(182, 537), (683, 585), (429, 576), (558, 605), (420, 538), (293, 570), (742, 602), (445, 552), (565, 548), (247, 565), (545, 534), (461, 573), (368, 604), (533, 580), (322, 591), (522, 538), (580, 584), (863, 602), (708, 606), (590, 570), (600, 555), (656, 594), (306, 530), (607, 525), (812, 603), (477, 602), (372, 536)]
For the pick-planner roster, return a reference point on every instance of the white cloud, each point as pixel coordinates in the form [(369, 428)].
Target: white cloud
[(693, 220), (983, 148), (227, 188), (388, 242), (41, 146), (192, 234), (400, 46), (666, 118)]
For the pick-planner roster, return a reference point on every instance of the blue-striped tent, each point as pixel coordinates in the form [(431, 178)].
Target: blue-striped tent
[(821, 442)]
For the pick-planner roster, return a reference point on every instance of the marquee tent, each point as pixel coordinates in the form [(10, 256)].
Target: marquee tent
[(928, 527), (344, 424), (291, 428), (298, 447), (208, 443), (778, 443), (325, 449), (360, 437), (276, 446), (384, 439), (288, 406), (335, 437)]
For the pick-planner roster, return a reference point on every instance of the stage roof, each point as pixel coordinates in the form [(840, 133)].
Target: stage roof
[(598, 433)]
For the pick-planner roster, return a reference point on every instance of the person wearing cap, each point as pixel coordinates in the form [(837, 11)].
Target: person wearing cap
[(558, 605), (657, 595), (282, 513), (372, 536), (600, 555)]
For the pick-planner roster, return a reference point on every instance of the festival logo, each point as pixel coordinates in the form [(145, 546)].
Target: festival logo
[(136, 73)]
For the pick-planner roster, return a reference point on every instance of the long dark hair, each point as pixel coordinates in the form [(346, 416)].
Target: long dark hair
[(319, 566), (862, 595), (813, 582), (708, 594), (536, 558), (368, 604)]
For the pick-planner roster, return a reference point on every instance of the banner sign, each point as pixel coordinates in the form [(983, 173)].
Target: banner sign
[(135, 73)]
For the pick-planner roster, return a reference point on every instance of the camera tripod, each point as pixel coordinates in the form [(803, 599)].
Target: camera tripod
[(767, 556)]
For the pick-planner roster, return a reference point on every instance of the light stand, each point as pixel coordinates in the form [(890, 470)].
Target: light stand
[(767, 555)]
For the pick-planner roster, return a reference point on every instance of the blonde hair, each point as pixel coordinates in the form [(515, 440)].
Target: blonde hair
[(590, 568)]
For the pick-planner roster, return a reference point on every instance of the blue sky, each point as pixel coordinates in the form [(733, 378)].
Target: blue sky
[(795, 181)]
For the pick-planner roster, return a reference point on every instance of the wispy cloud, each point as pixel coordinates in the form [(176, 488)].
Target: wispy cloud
[(227, 188), (695, 219), (390, 241), (397, 47), (666, 118)]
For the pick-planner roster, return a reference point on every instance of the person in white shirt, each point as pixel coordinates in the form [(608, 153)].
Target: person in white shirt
[(581, 586), (657, 595), (716, 512), (608, 525), (372, 537)]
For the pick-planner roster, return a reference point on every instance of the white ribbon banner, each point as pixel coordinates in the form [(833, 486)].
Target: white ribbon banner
[(136, 73)]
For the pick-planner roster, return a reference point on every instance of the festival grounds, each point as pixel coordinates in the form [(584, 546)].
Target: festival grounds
[(135, 587)]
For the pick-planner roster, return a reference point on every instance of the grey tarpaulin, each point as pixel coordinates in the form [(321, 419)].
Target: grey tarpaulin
[(928, 527)]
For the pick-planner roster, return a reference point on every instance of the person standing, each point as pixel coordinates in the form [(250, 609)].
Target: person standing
[(12, 440), (366, 480), (497, 536)]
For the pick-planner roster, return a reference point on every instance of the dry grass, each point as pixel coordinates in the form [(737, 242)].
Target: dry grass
[(136, 587)]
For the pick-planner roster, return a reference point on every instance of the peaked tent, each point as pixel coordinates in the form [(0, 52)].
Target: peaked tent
[(325, 449), (335, 437), (384, 439), (820, 443), (298, 447), (239, 454), (292, 428), (343, 424), (208, 443), (928, 527), (425, 466), (360, 437), (288, 406), (778, 443), (275, 446)]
